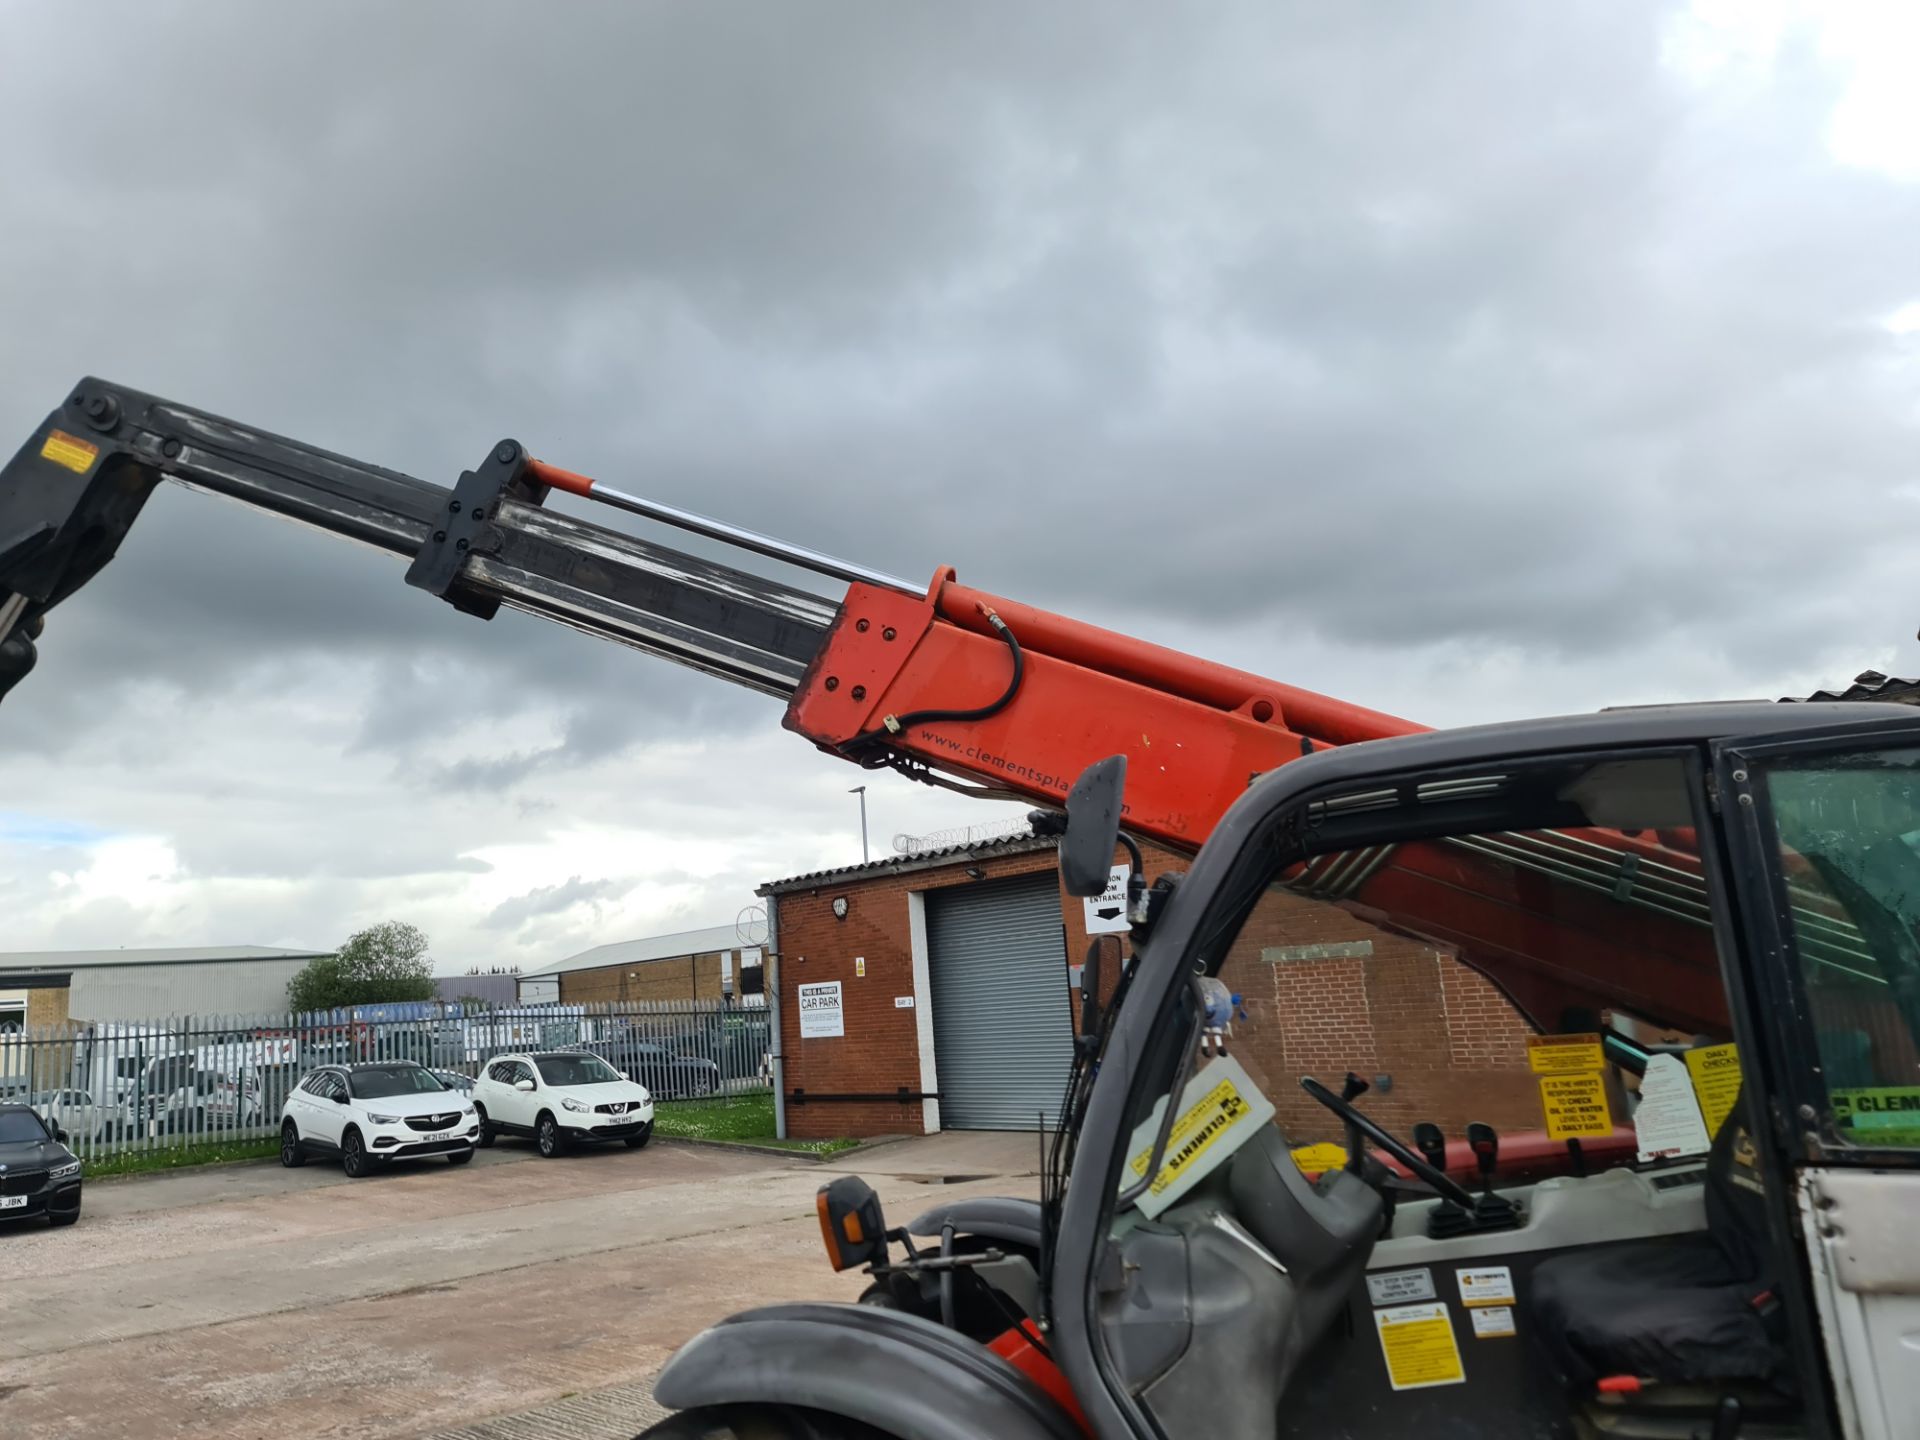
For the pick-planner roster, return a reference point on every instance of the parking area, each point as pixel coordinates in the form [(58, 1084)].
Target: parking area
[(251, 1300)]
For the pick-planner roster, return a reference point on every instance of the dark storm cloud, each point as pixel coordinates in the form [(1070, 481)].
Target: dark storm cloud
[(1366, 328), (553, 900), (1407, 340)]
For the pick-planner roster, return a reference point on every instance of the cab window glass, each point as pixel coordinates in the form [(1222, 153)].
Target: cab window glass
[(1848, 832), (1580, 885)]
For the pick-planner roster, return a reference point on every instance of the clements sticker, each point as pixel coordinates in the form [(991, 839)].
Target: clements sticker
[(1220, 1110)]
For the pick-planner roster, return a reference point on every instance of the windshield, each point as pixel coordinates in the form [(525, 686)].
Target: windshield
[(1362, 959), (576, 1070), (387, 1080), (18, 1128)]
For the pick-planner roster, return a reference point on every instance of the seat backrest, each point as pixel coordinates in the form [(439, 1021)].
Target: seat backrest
[(1736, 1196)]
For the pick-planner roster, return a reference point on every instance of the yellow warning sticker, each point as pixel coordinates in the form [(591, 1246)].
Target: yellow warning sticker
[(1576, 1105), (70, 450), (1562, 1054), (1220, 1110), (1716, 1080), (1316, 1158), (1418, 1343), (1880, 1115)]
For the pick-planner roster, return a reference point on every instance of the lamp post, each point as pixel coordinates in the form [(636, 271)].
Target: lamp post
[(861, 791)]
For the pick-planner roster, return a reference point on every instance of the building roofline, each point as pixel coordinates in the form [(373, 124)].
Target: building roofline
[(142, 959), (909, 864), (36, 980), (708, 940)]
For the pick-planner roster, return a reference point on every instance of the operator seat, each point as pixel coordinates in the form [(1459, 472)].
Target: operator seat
[(1687, 1309)]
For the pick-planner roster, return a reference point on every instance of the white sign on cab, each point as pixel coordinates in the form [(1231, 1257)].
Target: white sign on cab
[(1106, 913)]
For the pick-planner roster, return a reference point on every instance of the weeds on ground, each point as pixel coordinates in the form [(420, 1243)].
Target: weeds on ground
[(143, 1162), (742, 1119)]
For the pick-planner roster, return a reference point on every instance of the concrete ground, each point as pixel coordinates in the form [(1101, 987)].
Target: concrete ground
[(511, 1297)]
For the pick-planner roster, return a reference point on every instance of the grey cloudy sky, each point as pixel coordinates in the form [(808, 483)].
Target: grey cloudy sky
[(1465, 361)]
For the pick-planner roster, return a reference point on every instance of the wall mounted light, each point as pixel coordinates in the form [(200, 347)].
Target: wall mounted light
[(839, 907), (974, 872)]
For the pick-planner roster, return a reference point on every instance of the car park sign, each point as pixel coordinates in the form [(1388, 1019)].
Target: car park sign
[(821, 1015)]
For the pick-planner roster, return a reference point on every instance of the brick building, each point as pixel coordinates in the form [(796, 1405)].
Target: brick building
[(686, 965), (937, 990)]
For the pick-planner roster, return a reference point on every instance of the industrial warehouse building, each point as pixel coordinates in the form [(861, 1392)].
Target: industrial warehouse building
[(939, 990), (706, 964), (49, 987)]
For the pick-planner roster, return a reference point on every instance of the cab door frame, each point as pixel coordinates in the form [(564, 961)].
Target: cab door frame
[(1799, 1141)]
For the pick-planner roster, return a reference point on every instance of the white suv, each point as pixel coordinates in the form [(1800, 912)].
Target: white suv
[(373, 1114), (559, 1097)]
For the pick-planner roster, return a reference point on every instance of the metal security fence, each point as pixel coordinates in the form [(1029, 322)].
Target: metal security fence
[(206, 1079)]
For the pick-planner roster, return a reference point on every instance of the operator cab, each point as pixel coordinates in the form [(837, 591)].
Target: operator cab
[(1591, 1239)]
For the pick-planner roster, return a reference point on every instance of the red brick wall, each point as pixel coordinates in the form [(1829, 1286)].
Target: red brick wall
[(1453, 1046)]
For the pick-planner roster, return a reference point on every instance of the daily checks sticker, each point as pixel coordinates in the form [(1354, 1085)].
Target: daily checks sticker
[(1220, 1110), (1716, 1080), (1418, 1345)]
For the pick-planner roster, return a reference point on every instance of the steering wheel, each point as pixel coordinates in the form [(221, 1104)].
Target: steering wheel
[(1444, 1184)]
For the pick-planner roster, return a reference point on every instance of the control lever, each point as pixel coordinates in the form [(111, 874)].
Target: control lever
[(1430, 1142), (1351, 1089), (1446, 1218), (1489, 1209)]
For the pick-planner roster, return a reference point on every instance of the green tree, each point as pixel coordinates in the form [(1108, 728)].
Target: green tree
[(383, 963)]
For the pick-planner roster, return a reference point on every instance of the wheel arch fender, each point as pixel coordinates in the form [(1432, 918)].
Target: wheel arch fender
[(896, 1372)]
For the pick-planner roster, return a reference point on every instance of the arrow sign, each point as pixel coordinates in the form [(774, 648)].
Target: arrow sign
[(1106, 913)]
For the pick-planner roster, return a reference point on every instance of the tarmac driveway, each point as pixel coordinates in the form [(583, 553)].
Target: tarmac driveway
[(510, 1297)]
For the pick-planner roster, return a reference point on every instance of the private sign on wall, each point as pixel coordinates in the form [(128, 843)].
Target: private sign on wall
[(821, 1014)]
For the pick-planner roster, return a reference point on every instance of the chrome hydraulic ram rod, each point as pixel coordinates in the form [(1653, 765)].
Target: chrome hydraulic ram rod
[(799, 555)]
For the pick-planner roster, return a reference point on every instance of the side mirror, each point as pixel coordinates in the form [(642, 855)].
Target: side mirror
[(60, 1134), (623, 1074), (338, 1098), (524, 1086), (1093, 826), (850, 1223)]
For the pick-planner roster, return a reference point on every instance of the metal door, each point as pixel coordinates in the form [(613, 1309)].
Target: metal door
[(1825, 845), (1002, 1024)]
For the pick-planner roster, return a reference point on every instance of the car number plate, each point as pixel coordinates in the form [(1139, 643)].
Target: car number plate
[(432, 1139), (13, 1202)]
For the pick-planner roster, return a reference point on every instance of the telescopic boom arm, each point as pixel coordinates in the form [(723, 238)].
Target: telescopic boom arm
[(947, 684), (943, 681)]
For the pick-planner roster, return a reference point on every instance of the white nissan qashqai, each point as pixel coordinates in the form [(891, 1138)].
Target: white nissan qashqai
[(559, 1097), (376, 1113)]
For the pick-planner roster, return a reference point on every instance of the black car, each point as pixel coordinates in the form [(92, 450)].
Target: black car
[(670, 1076), (38, 1174)]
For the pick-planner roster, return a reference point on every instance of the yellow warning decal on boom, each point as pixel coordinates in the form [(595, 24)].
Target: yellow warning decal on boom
[(71, 451)]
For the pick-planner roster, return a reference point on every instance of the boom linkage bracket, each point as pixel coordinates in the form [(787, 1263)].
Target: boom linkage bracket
[(470, 528)]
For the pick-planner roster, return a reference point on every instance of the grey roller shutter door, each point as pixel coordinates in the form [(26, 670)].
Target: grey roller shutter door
[(1002, 1025)]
